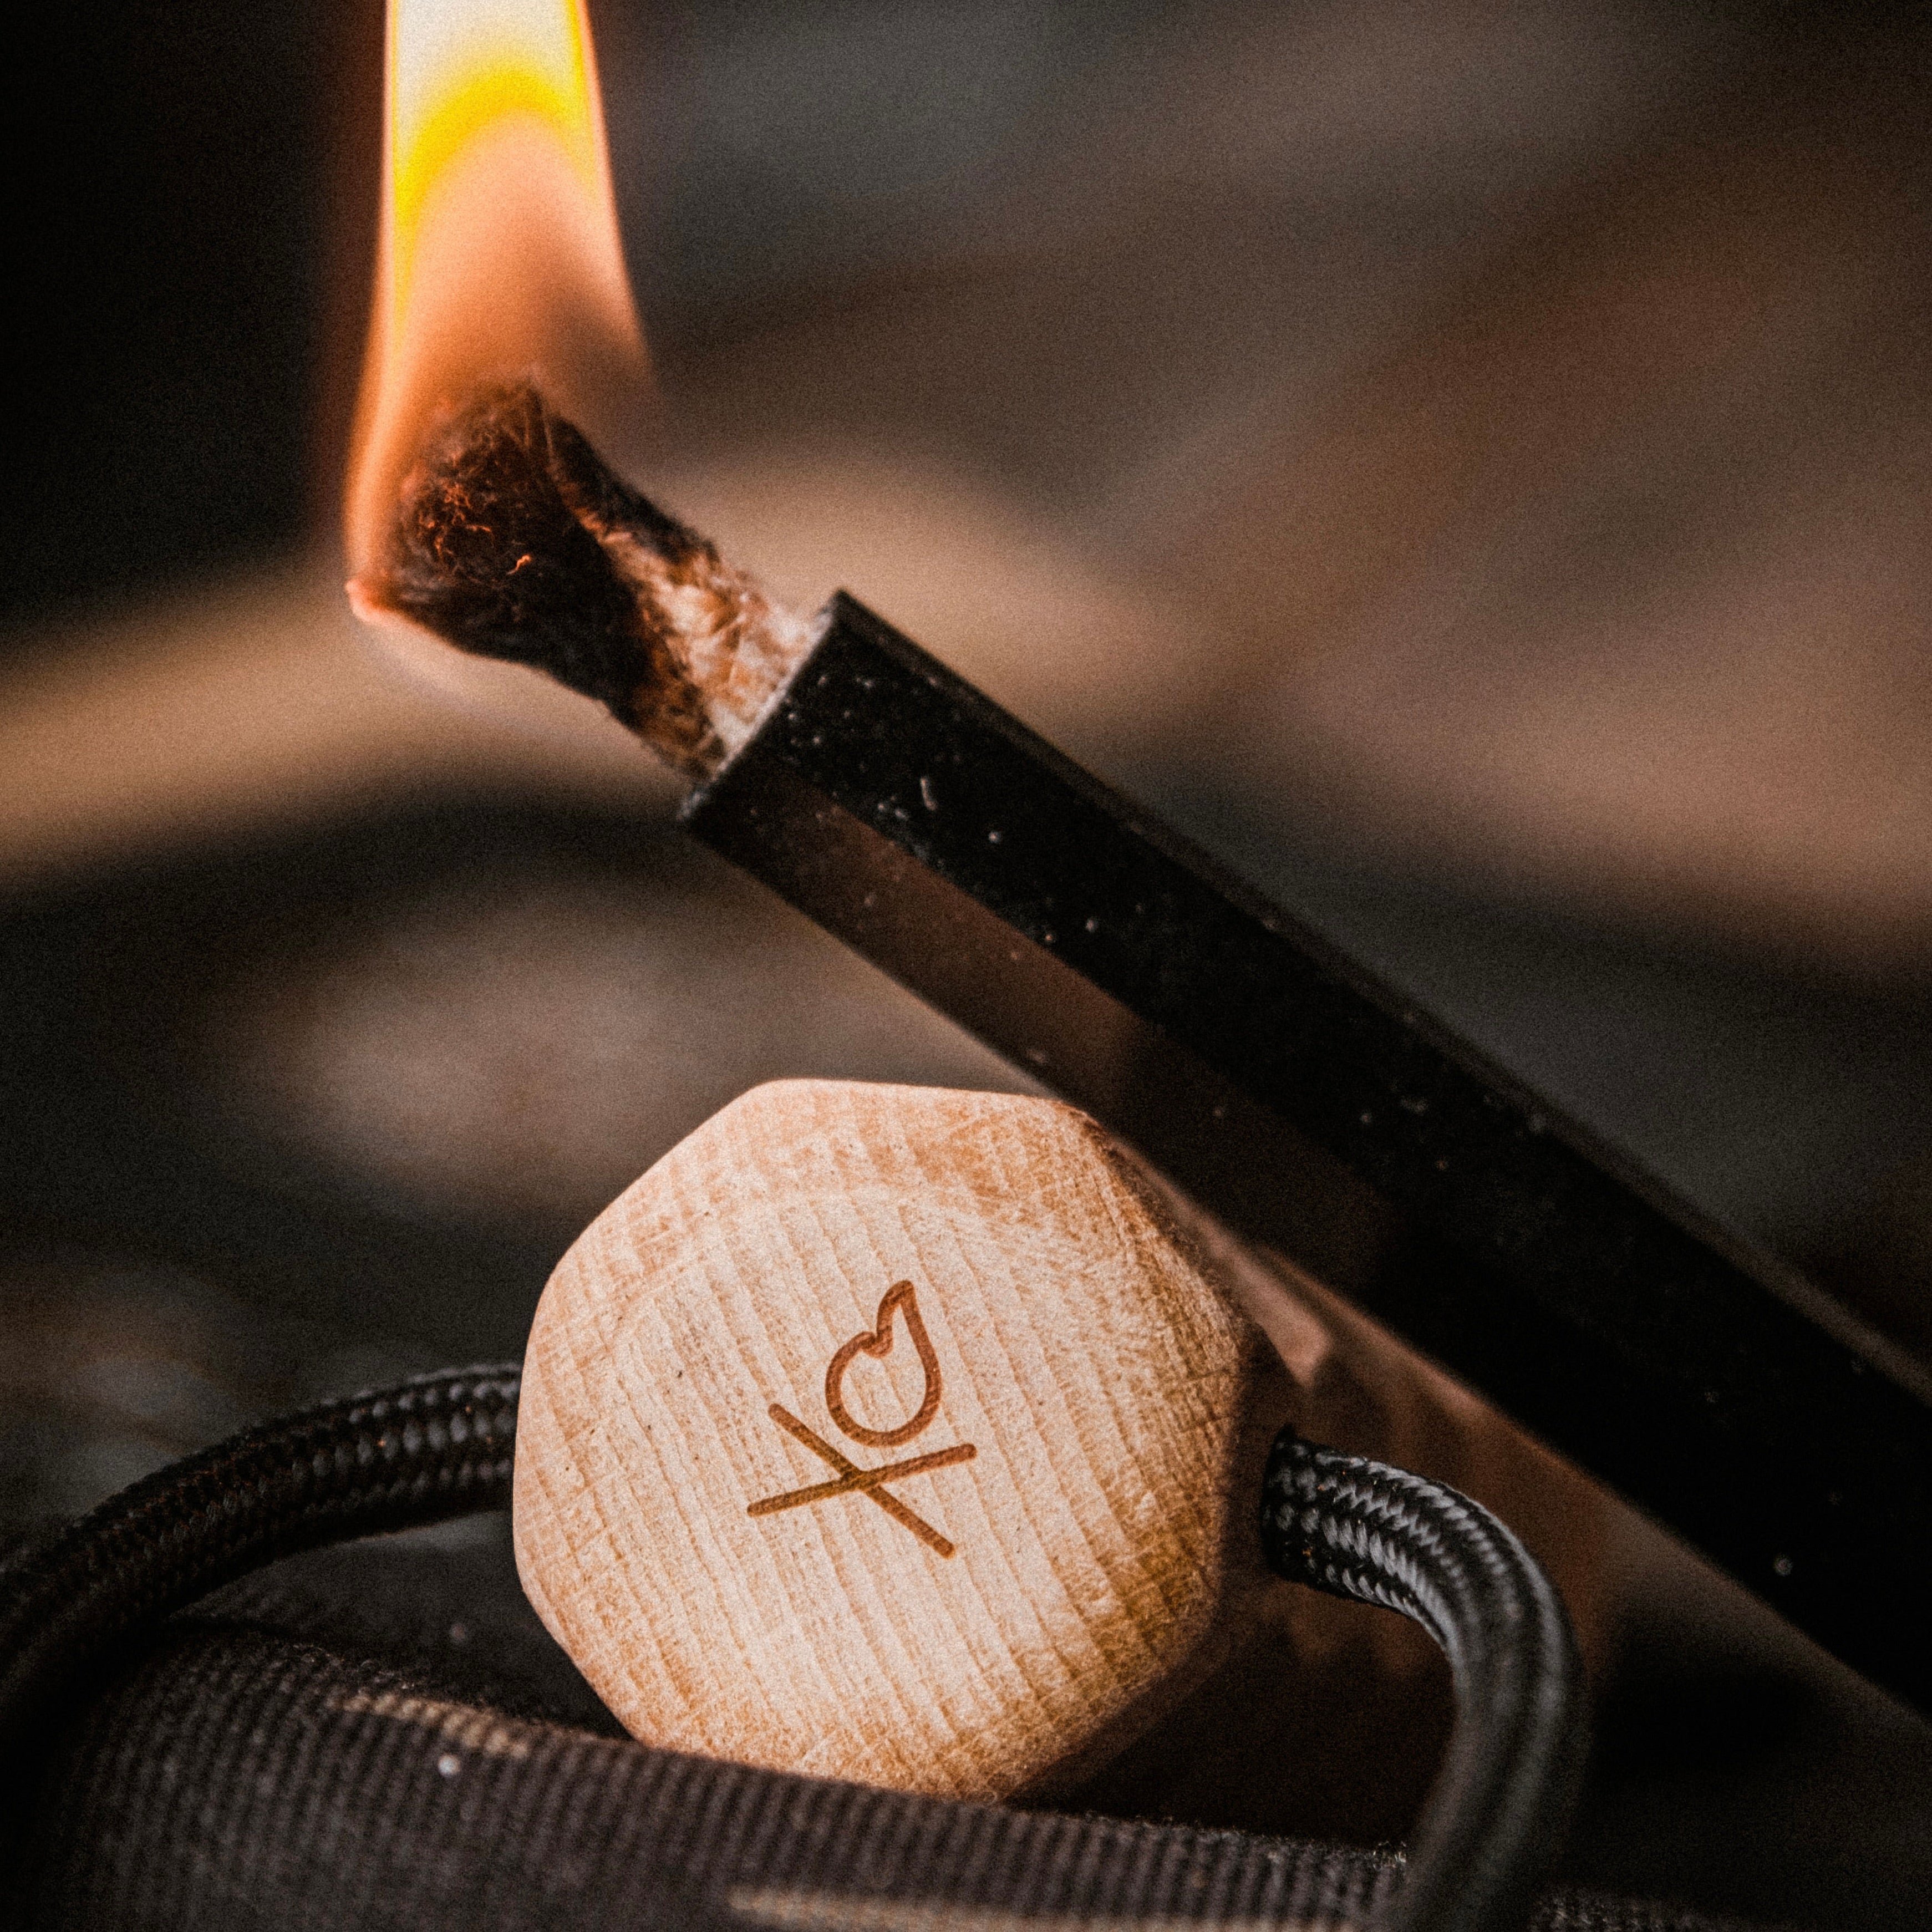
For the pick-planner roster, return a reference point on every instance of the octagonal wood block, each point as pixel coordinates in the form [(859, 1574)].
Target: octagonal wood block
[(887, 1433)]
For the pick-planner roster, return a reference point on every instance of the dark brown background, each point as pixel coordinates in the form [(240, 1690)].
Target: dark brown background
[(1465, 463)]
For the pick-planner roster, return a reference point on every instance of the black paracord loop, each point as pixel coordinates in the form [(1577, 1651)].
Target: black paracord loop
[(1497, 1812), (440, 1446), (436, 1447)]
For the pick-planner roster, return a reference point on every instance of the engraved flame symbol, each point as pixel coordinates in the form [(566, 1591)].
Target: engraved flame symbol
[(899, 1300)]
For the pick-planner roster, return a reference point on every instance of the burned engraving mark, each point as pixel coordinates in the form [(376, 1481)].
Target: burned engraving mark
[(900, 1300)]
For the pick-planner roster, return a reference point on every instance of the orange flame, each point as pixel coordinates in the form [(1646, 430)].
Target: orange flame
[(499, 254)]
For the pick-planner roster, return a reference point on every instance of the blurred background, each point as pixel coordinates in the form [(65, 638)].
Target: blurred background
[(1466, 463)]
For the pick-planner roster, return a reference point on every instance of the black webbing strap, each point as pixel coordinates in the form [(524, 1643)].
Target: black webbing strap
[(234, 1778)]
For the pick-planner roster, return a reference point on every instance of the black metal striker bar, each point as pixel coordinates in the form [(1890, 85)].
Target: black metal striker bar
[(1313, 1112)]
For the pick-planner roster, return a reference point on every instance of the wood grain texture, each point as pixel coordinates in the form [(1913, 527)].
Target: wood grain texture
[(726, 1361)]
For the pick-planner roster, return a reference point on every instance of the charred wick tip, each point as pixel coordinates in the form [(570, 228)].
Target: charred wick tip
[(514, 540)]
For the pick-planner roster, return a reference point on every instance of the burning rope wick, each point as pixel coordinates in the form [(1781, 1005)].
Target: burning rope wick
[(513, 539)]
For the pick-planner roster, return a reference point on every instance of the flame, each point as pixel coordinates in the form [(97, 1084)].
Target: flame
[(500, 253)]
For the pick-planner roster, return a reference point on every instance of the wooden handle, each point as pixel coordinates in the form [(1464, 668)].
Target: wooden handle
[(890, 1434)]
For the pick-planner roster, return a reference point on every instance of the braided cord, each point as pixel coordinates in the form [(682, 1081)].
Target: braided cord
[(1501, 1803), (436, 1447)]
